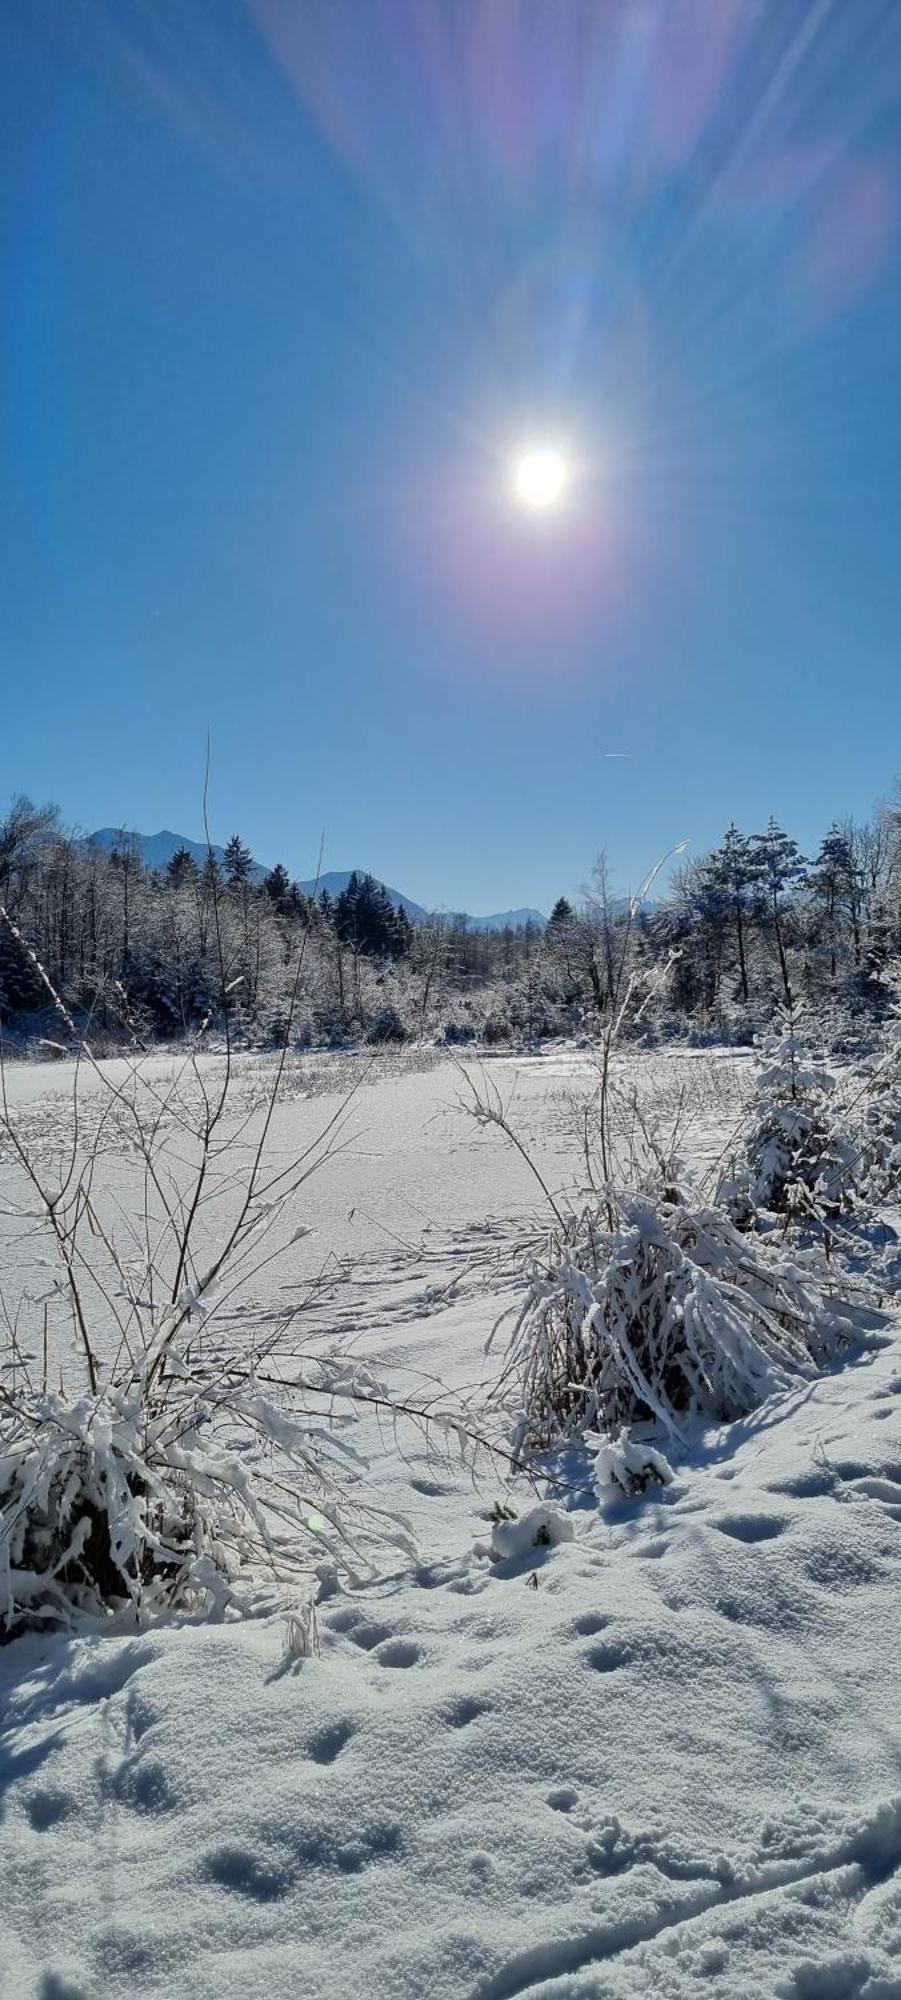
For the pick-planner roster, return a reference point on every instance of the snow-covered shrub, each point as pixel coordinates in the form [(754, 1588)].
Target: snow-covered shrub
[(170, 1494), (650, 1306), (173, 1460), (800, 1158), (457, 1034), (628, 1466), (666, 1313), (387, 1026), (880, 1128), (544, 1526)]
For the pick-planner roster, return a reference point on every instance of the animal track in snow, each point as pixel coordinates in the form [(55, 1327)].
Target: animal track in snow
[(589, 1623), (399, 1653), (606, 1659), (884, 1487), (346, 1618), (97, 1676), (811, 1485), (752, 1527), (653, 1550), (372, 1637), (54, 1987), (353, 1623), (865, 1853), (368, 1637), (328, 1743), (47, 1808), (238, 1869), (465, 1710), (143, 1784), (266, 1877)]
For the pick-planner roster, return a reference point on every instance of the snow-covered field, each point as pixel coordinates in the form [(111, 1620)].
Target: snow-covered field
[(660, 1758)]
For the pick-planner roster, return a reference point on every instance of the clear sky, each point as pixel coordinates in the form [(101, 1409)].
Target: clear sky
[(285, 286)]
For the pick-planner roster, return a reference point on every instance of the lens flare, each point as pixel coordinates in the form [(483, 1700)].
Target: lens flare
[(540, 477)]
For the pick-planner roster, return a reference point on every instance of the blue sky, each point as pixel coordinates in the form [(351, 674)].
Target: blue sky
[(286, 284)]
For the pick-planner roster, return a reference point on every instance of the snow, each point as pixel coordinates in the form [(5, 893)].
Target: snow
[(628, 1466), (544, 1526), (653, 1754)]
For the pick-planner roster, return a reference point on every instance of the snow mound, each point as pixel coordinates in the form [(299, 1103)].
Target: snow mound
[(629, 1466), (543, 1527)]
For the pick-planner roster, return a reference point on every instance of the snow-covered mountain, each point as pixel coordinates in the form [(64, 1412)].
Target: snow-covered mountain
[(155, 850)]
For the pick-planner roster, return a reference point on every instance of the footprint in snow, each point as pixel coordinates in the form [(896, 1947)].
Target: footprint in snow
[(466, 1710), (811, 1485), (652, 1551), (47, 1808), (884, 1487), (369, 1636), (54, 1987), (353, 1624), (752, 1527), (143, 1784), (606, 1659), (237, 1869), (399, 1653), (345, 1619), (96, 1679), (329, 1742), (589, 1623)]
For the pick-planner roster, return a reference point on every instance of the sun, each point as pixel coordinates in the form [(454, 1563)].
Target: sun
[(540, 477)]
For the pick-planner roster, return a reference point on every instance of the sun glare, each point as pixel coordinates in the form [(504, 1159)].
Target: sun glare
[(540, 478)]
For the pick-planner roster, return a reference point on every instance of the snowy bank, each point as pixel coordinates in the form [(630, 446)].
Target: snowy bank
[(670, 1769)]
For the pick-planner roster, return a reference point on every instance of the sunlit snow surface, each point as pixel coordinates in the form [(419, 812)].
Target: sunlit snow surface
[(672, 1769)]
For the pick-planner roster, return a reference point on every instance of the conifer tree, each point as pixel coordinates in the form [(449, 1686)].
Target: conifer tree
[(277, 885), (780, 867), (182, 868), (728, 878), (237, 862)]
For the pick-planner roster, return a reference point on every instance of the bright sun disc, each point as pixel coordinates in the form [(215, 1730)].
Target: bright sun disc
[(540, 478)]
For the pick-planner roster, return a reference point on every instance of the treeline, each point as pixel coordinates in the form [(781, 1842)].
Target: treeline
[(154, 953), (756, 920), (158, 951)]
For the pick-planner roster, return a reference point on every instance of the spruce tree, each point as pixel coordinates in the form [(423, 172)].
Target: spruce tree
[(237, 862), (780, 867), (182, 868), (728, 877), (277, 885)]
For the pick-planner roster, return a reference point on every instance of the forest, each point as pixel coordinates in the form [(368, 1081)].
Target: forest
[(153, 955)]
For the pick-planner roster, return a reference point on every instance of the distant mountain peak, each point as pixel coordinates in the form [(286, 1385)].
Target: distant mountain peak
[(156, 850)]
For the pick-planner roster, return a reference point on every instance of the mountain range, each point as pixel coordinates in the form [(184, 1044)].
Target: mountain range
[(155, 850)]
